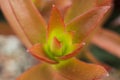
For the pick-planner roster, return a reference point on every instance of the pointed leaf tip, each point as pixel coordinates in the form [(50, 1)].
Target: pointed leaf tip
[(86, 23), (77, 8), (75, 52), (56, 43), (38, 52), (55, 21)]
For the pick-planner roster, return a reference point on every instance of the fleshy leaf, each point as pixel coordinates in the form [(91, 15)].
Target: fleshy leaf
[(56, 21), (78, 7), (6, 9), (84, 24), (56, 47), (38, 51), (45, 6), (74, 53), (39, 3), (28, 20), (104, 2), (63, 5), (77, 70), (41, 72), (38, 72)]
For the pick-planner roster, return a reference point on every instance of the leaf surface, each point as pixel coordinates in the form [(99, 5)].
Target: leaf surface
[(38, 72), (30, 23), (77, 8), (41, 72), (78, 70), (38, 51), (6, 9), (56, 21), (85, 24), (104, 2)]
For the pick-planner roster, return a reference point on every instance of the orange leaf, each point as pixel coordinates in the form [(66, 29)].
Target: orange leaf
[(25, 19), (38, 51), (74, 53), (41, 72), (78, 70), (6, 8), (78, 7), (38, 72), (61, 4), (104, 2), (84, 24), (56, 21)]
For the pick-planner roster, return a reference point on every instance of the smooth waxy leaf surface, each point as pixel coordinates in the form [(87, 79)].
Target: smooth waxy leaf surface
[(38, 51), (30, 20), (77, 49), (104, 2), (77, 8), (7, 10), (38, 72), (77, 70), (56, 21), (41, 72), (85, 24), (30, 23)]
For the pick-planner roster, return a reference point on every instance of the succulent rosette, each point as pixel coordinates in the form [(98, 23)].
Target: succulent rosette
[(58, 43), (60, 40)]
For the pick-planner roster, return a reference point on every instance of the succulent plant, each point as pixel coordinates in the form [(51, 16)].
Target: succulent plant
[(58, 42)]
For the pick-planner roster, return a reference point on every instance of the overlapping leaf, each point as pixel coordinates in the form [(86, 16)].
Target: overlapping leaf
[(39, 53), (78, 7), (77, 70), (25, 20), (6, 8), (55, 21), (41, 72), (85, 24), (31, 27), (38, 72)]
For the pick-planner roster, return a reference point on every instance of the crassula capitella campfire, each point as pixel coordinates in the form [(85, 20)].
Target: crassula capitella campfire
[(57, 42)]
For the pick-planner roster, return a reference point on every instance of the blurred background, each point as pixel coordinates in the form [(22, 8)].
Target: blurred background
[(104, 48)]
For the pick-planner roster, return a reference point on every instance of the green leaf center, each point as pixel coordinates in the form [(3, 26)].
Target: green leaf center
[(59, 43)]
